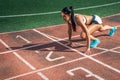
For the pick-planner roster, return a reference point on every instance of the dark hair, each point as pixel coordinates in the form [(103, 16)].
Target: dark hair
[(69, 10)]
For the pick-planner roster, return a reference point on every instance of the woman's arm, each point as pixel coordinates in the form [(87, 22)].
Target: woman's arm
[(69, 33), (85, 29)]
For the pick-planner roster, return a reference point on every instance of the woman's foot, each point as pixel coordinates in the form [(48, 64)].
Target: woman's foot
[(95, 43), (112, 32)]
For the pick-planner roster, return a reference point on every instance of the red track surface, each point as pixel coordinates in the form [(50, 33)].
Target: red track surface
[(41, 54)]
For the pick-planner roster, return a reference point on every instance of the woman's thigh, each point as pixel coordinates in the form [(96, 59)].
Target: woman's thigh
[(94, 27)]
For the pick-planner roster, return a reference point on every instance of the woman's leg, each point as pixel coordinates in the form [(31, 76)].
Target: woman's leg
[(106, 27), (92, 28), (98, 27), (112, 29), (83, 36)]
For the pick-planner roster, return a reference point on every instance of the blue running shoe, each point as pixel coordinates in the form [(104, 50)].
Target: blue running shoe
[(112, 32), (94, 43)]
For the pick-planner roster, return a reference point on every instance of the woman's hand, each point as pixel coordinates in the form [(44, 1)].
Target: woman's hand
[(69, 43), (88, 51)]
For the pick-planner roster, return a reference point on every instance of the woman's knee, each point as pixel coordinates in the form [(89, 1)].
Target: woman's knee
[(83, 35), (102, 28)]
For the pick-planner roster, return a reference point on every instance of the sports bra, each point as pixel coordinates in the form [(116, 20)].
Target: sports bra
[(84, 18)]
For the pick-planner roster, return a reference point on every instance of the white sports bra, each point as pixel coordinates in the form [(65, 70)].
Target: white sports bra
[(84, 18)]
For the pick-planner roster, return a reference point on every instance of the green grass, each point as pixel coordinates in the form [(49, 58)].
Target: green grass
[(17, 7), (102, 11)]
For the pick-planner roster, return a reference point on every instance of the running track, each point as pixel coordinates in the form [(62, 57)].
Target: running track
[(41, 54)]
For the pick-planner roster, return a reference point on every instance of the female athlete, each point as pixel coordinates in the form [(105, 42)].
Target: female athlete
[(89, 25)]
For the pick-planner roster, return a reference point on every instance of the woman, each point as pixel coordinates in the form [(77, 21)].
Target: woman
[(89, 25)]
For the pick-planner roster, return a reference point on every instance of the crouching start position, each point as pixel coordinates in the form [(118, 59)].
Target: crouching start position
[(88, 24)]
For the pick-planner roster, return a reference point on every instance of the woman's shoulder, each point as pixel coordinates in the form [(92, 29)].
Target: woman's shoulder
[(78, 15)]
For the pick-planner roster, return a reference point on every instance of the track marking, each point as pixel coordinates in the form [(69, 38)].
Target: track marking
[(49, 54), (89, 57), (36, 51), (39, 70), (56, 12), (19, 36), (67, 62), (49, 59), (54, 66), (42, 75), (24, 61), (70, 72)]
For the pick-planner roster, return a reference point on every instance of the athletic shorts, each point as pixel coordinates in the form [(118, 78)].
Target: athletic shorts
[(96, 20)]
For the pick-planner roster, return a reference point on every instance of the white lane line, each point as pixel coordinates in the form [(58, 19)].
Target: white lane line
[(33, 14), (89, 57), (41, 75), (24, 61), (19, 36), (56, 12), (111, 50), (109, 4), (36, 51)]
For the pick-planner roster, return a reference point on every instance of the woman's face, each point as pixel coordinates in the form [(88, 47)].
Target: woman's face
[(66, 17)]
